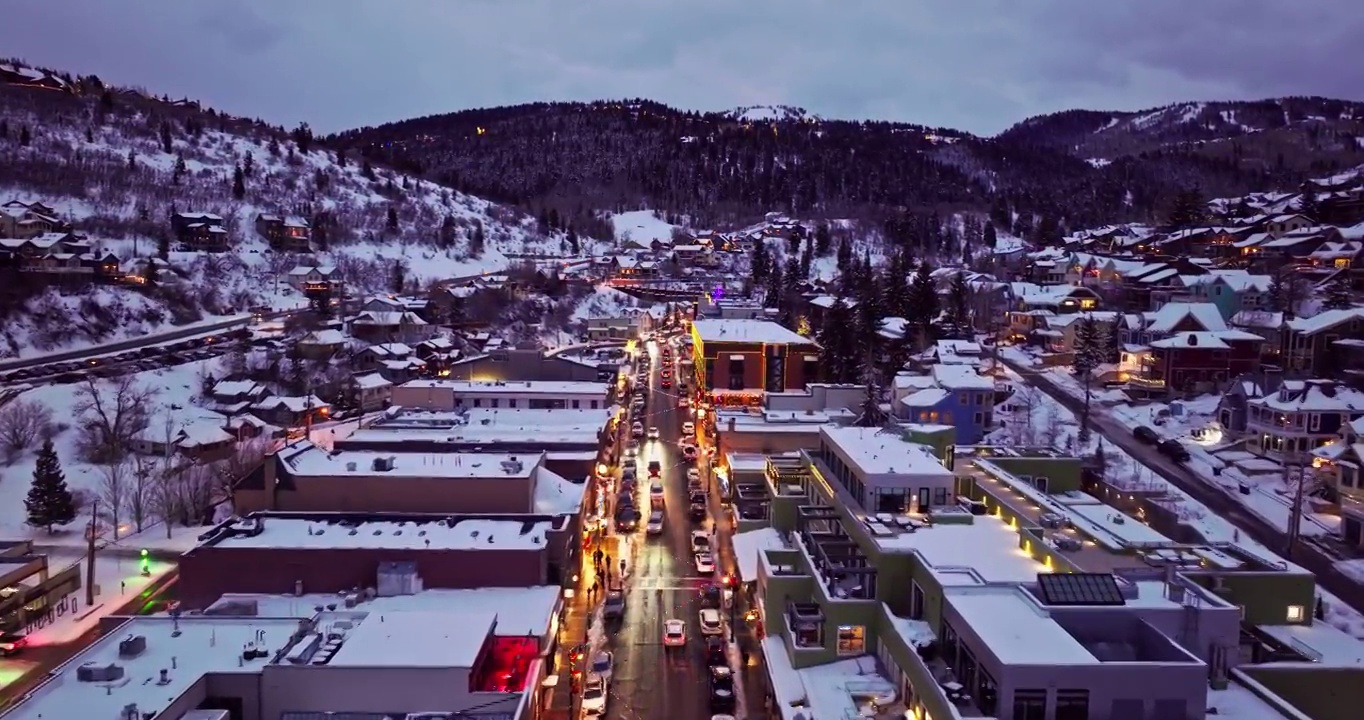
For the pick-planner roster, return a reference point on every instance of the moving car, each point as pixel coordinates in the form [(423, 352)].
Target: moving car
[(697, 512), (710, 622), (613, 607), (637, 430), (697, 497), (602, 664), (674, 633), (1146, 435), (689, 452), (715, 652), (594, 695), (721, 688), (653, 433), (655, 526), (12, 643), (693, 475), (705, 564), (655, 468), (627, 519), (694, 488), (666, 384), (1174, 450), (700, 541), (656, 488), (631, 450), (689, 428)]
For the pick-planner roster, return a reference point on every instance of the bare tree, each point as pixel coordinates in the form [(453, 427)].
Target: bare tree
[(141, 490), (21, 423), (1022, 418), (115, 482), (195, 486), (112, 416), (230, 470)]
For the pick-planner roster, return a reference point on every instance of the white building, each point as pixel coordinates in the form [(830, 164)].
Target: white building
[(884, 472), (448, 394)]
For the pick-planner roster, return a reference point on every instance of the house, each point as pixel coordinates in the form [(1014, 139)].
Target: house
[(1234, 406), (233, 397), (321, 344), (25, 220), (316, 278), (396, 362), (1231, 290), (285, 232), (1183, 347), (372, 392), (1281, 225), (1268, 325), (200, 231), (620, 327), (1301, 416), (438, 353), (1296, 247), (1030, 301), (384, 326), (59, 258), (291, 411), (193, 433), (953, 395), (1324, 345)]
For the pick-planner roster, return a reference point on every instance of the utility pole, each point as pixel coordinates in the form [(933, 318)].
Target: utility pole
[(1295, 513), (90, 555)]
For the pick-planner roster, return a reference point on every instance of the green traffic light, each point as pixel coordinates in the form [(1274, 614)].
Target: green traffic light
[(144, 552)]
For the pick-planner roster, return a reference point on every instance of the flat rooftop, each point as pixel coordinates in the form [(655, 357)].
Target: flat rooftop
[(204, 645), (839, 689), (329, 531), (874, 451), (1015, 629), (985, 550), (415, 639), (308, 460), (488, 425), (747, 331), (512, 387)]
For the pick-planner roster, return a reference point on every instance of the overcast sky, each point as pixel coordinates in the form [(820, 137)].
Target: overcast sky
[(977, 65)]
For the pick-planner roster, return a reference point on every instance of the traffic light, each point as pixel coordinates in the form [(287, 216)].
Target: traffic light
[(145, 561)]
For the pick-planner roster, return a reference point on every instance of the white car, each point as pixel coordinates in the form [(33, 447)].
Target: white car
[(594, 695), (656, 489), (655, 526), (637, 430), (604, 662), (700, 541), (710, 622), (674, 633), (705, 564), (653, 433), (693, 475), (688, 428), (631, 451)]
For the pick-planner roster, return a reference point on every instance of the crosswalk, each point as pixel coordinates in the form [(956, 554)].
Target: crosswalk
[(659, 583)]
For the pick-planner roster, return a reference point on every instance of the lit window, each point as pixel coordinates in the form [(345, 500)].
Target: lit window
[(1295, 614), (852, 640)]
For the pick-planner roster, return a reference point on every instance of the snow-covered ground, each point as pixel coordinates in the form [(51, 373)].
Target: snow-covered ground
[(1034, 418), (604, 302), (118, 579), (174, 386), (642, 226)]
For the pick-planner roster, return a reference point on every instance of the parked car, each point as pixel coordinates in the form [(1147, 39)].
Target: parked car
[(705, 564), (594, 695), (674, 633), (700, 541), (709, 622), (688, 428), (613, 607), (697, 512), (637, 430), (721, 689), (602, 664), (689, 452), (716, 654), (655, 525), (1174, 450), (1146, 435)]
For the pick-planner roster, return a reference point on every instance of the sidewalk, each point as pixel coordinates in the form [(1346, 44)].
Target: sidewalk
[(581, 614)]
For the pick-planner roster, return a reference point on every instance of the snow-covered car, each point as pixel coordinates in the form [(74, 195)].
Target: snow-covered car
[(655, 526), (604, 662), (709, 622), (674, 633), (693, 475), (700, 541), (688, 428), (653, 433), (689, 452), (705, 564), (594, 695)]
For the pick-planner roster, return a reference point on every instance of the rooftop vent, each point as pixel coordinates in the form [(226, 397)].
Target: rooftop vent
[(132, 646), (350, 467), (97, 673), (383, 464)]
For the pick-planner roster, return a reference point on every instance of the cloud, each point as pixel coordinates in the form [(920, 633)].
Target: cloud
[(978, 65)]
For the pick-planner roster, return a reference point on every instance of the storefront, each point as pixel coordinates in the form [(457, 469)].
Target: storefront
[(28, 587)]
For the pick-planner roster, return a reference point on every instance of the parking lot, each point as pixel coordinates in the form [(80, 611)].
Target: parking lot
[(130, 361)]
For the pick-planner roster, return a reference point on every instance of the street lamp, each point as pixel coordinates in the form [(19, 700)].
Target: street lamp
[(146, 562)]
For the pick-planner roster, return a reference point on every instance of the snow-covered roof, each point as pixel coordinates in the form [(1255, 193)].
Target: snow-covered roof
[(747, 331), (294, 403), (512, 387), (928, 397), (467, 533), (305, 459), (488, 425), (961, 377), (1198, 339), (1207, 315), (876, 451), (324, 337), (1325, 320), (435, 639), (984, 550), (748, 545), (371, 381), (1312, 396), (1017, 630), (555, 495)]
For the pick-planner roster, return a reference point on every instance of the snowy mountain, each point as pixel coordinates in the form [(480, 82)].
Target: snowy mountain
[(115, 164), (772, 113)]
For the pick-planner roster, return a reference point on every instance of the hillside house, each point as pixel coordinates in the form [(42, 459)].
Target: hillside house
[(1029, 302), (438, 353), (1268, 325), (285, 232), (957, 395), (372, 392), (291, 411), (197, 435), (1327, 345), (1181, 348), (233, 397), (1302, 415), (25, 220), (200, 231), (1231, 290), (311, 279), (321, 344), (396, 362), (390, 326), (59, 259), (1345, 207), (1296, 247), (1345, 463)]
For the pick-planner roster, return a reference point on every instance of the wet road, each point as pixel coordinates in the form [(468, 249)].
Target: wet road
[(649, 680)]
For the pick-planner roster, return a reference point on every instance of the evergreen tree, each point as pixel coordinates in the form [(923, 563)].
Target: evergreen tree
[(367, 171), (25, 137), (238, 183), (845, 256), (924, 304), (1188, 209), (477, 240), (132, 160), (397, 279), (447, 232), (303, 137), (163, 245), (574, 246), (179, 171), (823, 239), (1338, 295), (1308, 204), (89, 135), (167, 146), (49, 502), (958, 321), (871, 414), (990, 236), (773, 288), (1285, 291), (838, 354), (392, 219), (1091, 345), (761, 261), (896, 286), (248, 164)]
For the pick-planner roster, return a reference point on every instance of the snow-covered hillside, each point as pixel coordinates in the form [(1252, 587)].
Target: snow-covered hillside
[(109, 168)]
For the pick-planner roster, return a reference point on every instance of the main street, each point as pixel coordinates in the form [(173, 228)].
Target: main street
[(1306, 554)]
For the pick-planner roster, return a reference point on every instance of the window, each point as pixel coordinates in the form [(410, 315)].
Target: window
[(1030, 705), (852, 639), (594, 405), (916, 601), (575, 404), (495, 402), (1315, 423), (1295, 613), (939, 496), (1072, 705), (964, 398), (511, 402), (947, 417), (980, 419), (478, 402)]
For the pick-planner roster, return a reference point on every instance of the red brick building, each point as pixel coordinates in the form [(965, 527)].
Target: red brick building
[(736, 361), (288, 553), (1199, 361)]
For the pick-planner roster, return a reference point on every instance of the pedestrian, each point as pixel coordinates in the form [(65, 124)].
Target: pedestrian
[(743, 656)]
